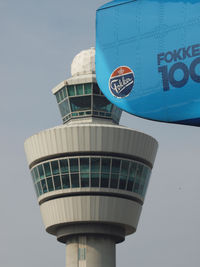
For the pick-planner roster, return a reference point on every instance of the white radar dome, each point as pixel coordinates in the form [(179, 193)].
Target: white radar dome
[(84, 63)]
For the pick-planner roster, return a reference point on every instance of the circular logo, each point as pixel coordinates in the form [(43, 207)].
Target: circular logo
[(121, 81)]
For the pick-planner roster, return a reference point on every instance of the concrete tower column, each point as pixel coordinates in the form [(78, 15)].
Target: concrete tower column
[(90, 251)]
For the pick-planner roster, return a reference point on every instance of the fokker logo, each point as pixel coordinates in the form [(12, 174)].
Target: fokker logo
[(121, 81)]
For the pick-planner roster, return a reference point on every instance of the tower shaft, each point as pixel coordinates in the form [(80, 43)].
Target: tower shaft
[(89, 251)]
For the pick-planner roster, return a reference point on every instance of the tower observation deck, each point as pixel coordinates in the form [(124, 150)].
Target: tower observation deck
[(90, 174)]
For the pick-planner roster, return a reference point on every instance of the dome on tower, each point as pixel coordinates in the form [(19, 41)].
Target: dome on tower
[(84, 63)]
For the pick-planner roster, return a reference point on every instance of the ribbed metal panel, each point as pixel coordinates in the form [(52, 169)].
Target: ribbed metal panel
[(91, 137), (91, 209)]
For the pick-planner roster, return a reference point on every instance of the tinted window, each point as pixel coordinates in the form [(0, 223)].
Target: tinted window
[(80, 103)]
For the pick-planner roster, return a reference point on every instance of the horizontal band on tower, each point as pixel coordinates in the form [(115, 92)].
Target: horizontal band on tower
[(66, 232), (92, 153), (95, 193)]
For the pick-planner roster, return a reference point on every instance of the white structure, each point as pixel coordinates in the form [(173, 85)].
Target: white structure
[(90, 174)]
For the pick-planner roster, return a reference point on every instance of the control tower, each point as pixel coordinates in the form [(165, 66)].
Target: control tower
[(90, 174)]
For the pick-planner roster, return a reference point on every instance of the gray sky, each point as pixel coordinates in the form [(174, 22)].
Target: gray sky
[(38, 40)]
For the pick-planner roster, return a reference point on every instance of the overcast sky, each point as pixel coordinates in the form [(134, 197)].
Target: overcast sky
[(38, 40)]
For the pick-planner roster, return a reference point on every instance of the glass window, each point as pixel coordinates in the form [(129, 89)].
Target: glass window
[(50, 184), (104, 180), (61, 95), (57, 183), (138, 178), (119, 112), (39, 188), (44, 186), (101, 103), (105, 165), (64, 92), (65, 181), (36, 174), (133, 168), (33, 175), (58, 97), (142, 180), (139, 171), (80, 103), (81, 254), (115, 173), (96, 89), (130, 183), (123, 174), (114, 180), (94, 180), (73, 165), (75, 180), (87, 87), (84, 179), (95, 164), (122, 182), (54, 166), (116, 113), (114, 110), (146, 181), (115, 165), (47, 169), (64, 108), (41, 172), (71, 90), (136, 185), (36, 189), (132, 174), (84, 164), (124, 167), (79, 89), (64, 166)]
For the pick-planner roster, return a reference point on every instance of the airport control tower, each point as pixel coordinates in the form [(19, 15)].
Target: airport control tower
[(90, 174)]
